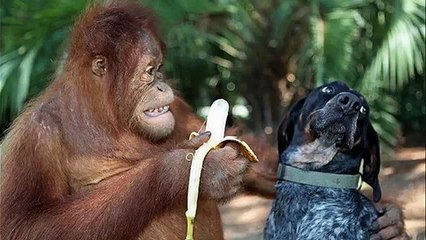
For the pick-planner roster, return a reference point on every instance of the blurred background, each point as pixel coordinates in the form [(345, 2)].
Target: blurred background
[(262, 56)]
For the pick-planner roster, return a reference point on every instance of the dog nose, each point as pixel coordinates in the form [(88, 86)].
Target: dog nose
[(349, 102)]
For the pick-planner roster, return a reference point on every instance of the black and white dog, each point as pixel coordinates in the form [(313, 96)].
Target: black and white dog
[(322, 142)]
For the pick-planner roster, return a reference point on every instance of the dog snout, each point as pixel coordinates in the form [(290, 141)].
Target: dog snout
[(349, 102)]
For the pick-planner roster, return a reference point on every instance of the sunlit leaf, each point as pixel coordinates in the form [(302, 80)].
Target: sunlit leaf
[(5, 71)]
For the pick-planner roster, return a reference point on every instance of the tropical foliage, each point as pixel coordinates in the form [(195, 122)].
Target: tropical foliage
[(262, 55)]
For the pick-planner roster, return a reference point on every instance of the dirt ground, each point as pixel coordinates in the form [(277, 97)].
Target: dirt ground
[(402, 179)]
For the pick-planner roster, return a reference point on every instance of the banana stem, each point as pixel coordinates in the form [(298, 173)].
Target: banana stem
[(189, 228)]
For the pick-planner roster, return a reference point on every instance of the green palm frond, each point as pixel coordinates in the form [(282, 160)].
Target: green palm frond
[(333, 5), (8, 63), (280, 19), (401, 53), (334, 26), (317, 42), (32, 35), (25, 68), (384, 121), (340, 29)]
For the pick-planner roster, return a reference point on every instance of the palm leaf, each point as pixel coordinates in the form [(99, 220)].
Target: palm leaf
[(281, 19), (25, 68), (340, 30), (30, 31), (402, 51), (8, 63), (317, 42)]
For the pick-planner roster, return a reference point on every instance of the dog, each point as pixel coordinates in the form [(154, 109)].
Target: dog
[(327, 147)]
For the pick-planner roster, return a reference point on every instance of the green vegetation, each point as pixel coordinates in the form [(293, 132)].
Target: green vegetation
[(261, 55)]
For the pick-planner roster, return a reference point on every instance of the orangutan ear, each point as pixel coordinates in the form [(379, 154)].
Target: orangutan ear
[(99, 65)]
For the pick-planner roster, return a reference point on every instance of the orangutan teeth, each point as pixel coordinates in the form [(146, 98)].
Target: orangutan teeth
[(159, 110)]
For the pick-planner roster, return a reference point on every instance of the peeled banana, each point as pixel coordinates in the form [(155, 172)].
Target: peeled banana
[(216, 122)]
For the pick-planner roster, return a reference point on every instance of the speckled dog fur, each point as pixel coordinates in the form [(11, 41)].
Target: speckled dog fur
[(310, 212)]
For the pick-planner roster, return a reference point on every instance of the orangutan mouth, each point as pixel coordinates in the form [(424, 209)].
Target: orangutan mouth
[(155, 112)]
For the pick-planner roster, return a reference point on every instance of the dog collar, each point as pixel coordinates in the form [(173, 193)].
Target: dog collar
[(320, 179)]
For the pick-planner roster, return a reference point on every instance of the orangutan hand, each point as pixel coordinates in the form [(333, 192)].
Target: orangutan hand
[(390, 225)]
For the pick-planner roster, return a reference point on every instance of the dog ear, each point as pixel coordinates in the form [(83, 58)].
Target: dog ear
[(286, 127), (371, 158)]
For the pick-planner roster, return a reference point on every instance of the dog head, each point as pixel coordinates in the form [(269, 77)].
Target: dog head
[(330, 130)]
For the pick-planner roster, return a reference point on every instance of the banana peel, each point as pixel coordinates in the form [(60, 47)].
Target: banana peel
[(245, 149)]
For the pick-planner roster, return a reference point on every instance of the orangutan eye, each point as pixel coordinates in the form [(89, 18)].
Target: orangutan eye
[(150, 70), (160, 68), (363, 110), (327, 89)]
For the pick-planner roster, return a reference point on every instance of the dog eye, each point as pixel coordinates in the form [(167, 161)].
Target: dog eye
[(363, 110), (327, 89)]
